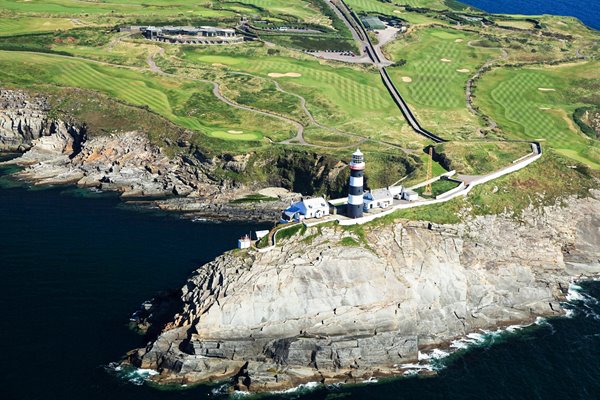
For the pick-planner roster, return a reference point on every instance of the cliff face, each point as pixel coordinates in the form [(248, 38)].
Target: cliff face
[(22, 119), (316, 309)]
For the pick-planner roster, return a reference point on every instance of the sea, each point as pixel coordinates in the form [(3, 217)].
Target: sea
[(75, 264), (588, 11)]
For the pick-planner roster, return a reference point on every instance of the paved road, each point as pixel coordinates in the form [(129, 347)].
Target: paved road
[(378, 59)]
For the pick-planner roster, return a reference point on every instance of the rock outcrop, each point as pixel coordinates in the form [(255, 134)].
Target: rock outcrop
[(24, 118), (322, 307), (57, 152)]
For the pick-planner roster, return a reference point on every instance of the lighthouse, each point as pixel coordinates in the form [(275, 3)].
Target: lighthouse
[(355, 191)]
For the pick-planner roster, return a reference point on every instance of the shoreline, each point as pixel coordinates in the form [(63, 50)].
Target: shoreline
[(197, 209), (422, 300), (426, 365)]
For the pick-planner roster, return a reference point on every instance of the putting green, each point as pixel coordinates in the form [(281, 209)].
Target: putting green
[(245, 136)]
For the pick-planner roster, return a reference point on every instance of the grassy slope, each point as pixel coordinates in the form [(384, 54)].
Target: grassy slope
[(188, 104), (479, 158), (349, 98), (512, 97), (21, 25)]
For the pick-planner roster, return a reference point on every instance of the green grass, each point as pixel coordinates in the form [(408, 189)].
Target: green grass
[(512, 97), (438, 67), (478, 158), (349, 98), (420, 173), (111, 7), (349, 242), (253, 198), (187, 104), (302, 10), (437, 188), (287, 232), (442, 213), (22, 25), (543, 183)]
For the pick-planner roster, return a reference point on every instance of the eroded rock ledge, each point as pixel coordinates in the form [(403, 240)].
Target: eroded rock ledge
[(314, 309)]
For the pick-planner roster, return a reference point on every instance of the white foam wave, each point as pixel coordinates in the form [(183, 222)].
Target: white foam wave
[(579, 301), (415, 368), (574, 293), (137, 376), (305, 387)]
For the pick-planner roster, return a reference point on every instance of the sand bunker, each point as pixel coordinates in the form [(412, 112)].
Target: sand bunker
[(458, 41), (543, 89), (544, 108), (445, 60), (235, 132), (463, 70), (406, 79), (286, 75), (217, 65), (397, 12)]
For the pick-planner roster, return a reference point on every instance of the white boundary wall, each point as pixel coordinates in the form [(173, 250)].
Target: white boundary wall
[(437, 178), (461, 190), (532, 157)]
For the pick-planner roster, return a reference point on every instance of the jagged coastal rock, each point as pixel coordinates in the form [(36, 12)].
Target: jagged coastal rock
[(57, 152), (322, 307), (24, 118)]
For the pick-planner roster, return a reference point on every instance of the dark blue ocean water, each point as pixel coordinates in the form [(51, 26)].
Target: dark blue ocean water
[(74, 266), (588, 11)]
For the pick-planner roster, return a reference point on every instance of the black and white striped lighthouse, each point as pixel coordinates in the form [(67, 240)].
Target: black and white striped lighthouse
[(355, 192)]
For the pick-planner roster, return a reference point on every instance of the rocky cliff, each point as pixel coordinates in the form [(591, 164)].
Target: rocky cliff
[(57, 152), (333, 304), (24, 118)]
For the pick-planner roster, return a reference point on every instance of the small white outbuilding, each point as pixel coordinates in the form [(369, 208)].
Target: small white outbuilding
[(378, 198), (409, 195)]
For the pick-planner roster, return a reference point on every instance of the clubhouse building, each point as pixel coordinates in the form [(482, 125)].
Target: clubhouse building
[(191, 34)]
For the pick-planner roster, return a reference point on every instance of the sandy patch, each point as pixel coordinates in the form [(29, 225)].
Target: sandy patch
[(406, 79), (458, 41), (397, 12), (235, 132), (463, 70), (445, 60), (544, 89), (544, 108), (286, 75), (273, 192), (217, 65)]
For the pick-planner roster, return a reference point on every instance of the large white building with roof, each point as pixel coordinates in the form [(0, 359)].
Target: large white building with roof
[(316, 207)]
